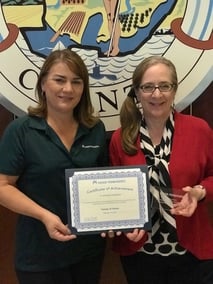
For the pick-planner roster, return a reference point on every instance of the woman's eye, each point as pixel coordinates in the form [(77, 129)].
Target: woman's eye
[(59, 80), (77, 82)]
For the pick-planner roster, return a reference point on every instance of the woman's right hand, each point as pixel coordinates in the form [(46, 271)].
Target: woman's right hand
[(136, 235), (55, 228)]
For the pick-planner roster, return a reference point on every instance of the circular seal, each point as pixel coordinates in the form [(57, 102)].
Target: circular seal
[(111, 41)]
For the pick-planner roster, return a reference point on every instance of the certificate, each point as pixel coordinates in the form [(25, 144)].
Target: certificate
[(110, 198)]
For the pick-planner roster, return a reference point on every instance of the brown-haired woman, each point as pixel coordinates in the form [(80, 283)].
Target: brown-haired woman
[(59, 133), (178, 152)]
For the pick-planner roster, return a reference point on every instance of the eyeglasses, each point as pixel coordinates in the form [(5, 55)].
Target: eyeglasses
[(162, 87)]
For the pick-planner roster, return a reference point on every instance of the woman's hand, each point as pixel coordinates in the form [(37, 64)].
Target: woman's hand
[(110, 234), (136, 235), (188, 203), (56, 229)]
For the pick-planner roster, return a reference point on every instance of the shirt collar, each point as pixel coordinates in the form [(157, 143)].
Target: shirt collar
[(40, 123)]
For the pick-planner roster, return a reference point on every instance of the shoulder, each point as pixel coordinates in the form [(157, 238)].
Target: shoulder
[(97, 128), (100, 125), (93, 134), (115, 140), (17, 124), (116, 134), (19, 127), (26, 121), (192, 123)]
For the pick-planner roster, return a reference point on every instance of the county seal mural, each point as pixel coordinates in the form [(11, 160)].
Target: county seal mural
[(112, 37)]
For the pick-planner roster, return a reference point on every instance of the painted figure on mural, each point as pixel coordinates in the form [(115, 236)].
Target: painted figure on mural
[(112, 9), (178, 152)]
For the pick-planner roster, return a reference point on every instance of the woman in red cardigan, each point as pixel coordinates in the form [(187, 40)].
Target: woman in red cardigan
[(178, 150)]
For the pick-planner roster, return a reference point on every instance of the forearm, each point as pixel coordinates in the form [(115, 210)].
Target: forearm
[(15, 200)]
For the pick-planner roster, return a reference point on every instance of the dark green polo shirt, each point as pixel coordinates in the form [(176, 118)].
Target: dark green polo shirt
[(30, 149)]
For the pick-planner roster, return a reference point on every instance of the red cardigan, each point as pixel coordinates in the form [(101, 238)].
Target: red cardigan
[(191, 163)]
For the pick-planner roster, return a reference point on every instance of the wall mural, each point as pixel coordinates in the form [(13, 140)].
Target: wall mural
[(112, 37)]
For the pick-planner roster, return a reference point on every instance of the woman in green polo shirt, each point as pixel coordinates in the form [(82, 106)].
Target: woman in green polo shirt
[(60, 132)]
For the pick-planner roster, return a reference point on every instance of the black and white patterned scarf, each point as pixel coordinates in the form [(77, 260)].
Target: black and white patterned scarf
[(157, 158), (163, 237)]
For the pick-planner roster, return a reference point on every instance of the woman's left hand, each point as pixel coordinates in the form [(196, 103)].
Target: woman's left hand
[(136, 235), (110, 234), (188, 203)]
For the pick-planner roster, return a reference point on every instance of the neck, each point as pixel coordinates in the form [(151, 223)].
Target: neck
[(65, 127), (61, 121), (155, 124), (155, 128)]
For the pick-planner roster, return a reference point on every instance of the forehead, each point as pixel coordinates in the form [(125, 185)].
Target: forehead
[(59, 67), (157, 72)]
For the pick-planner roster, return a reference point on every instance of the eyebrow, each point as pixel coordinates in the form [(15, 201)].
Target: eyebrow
[(64, 77), (152, 83)]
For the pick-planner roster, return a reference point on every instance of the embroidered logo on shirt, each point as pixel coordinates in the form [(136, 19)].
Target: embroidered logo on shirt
[(90, 146)]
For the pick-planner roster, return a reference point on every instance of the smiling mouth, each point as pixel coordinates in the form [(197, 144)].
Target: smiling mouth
[(157, 104), (65, 97)]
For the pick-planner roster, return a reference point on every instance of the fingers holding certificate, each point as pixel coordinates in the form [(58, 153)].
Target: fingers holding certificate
[(106, 199)]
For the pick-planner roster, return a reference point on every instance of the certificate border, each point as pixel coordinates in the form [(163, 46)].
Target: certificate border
[(74, 175)]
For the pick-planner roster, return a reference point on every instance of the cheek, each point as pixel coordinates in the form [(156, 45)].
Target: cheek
[(141, 98), (50, 89), (171, 98)]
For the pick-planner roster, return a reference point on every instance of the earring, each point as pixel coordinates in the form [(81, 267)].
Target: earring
[(173, 105)]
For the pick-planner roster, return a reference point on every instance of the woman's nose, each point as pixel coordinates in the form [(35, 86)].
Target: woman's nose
[(68, 86), (156, 92)]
